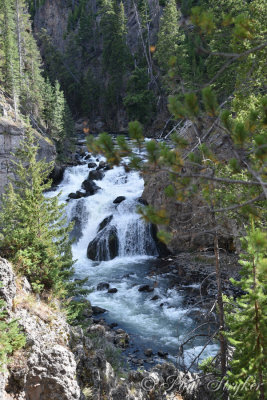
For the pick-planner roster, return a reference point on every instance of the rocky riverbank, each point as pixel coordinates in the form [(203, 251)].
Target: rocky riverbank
[(62, 362)]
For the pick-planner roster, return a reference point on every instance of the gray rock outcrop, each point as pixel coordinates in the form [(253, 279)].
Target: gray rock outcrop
[(47, 368), (7, 283), (11, 134)]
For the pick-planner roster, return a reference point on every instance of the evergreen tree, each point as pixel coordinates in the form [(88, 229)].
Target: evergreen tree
[(140, 102), (10, 67), (247, 323), (10, 337), (57, 120), (35, 233), (21, 66), (168, 35), (115, 53)]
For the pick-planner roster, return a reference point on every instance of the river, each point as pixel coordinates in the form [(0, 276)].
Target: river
[(161, 324)]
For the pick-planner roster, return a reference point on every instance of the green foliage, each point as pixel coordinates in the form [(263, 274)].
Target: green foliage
[(11, 339), (115, 51), (247, 322), (168, 35), (35, 233), (57, 115), (140, 102)]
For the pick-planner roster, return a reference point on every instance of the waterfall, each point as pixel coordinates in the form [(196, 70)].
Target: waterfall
[(114, 245)]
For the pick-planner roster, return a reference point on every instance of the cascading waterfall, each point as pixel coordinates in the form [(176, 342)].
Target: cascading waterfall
[(123, 252)]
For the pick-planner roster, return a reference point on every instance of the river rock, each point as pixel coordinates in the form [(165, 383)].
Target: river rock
[(162, 354), (57, 174), (98, 310), (101, 165), (96, 175), (145, 288), (77, 195), (104, 223), (92, 165), (73, 196), (105, 246), (156, 297), (102, 286), (161, 247), (113, 290), (90, 187), (119, 200), (113, 325), (148, 352)]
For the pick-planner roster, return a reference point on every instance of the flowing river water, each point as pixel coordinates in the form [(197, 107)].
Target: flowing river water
[(160, 324)]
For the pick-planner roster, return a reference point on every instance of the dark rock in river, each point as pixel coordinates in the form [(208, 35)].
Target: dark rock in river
[(90, 187), (73, 196), (112, 290), (162, 354), (57, 174), (77, 195), (161, 247), (146, 288), (92, 165), (119, 200), (156, 297), (96, 175), (105, 246), (101, 165), (98, 310), (102, 286), (148, 352), (104, 223)]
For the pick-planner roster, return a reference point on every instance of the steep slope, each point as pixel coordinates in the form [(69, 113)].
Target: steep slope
[(80, 47), (11, 133)]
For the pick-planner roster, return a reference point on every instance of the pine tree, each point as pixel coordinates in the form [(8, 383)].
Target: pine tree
[(57, 121), (35, 233), (115, 53), (10, 337), (247, 323), (167, 44), (10, 65)]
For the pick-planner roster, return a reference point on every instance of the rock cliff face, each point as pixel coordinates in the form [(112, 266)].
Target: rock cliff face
[(45, 368), (11, 133), (190, 221)]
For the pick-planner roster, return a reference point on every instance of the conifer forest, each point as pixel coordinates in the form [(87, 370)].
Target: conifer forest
[(133, 200)]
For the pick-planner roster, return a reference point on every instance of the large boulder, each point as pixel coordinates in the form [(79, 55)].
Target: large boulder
[(57, 174), (90, 187), (96, 175), (105, 246), (92, 165)]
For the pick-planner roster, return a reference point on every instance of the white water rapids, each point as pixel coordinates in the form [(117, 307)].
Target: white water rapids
[(159, 324)]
